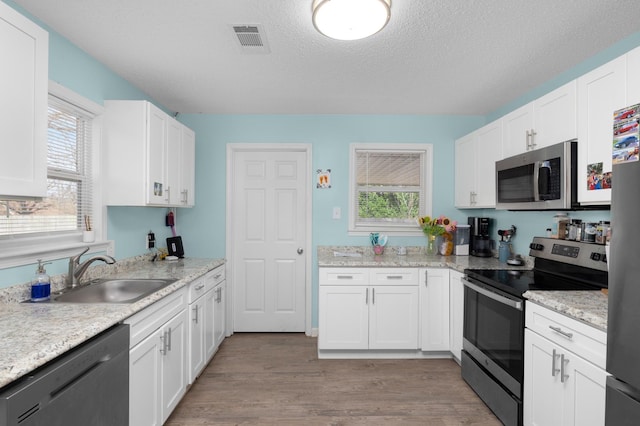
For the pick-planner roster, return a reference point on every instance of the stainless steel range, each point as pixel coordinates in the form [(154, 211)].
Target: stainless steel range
[(493, 346)]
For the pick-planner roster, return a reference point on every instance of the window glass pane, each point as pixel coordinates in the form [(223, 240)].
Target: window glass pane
[(62, 153)]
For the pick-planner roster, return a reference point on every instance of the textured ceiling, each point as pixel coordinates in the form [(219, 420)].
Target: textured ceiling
[(434, 57)]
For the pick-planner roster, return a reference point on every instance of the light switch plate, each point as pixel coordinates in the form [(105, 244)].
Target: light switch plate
[(337, 213)]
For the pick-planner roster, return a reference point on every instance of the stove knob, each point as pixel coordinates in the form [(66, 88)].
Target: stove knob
[(604, 258), (595, 256), (536, 246)]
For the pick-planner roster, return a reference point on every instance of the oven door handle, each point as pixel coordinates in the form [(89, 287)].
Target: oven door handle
[(495, 296)]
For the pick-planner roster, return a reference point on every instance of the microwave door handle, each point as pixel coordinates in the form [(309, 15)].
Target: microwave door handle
[(536, 181)]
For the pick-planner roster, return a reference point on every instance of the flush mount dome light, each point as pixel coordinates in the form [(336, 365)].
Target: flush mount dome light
[(350, 19)]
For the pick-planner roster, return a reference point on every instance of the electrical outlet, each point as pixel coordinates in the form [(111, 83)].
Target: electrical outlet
[(151, 240)]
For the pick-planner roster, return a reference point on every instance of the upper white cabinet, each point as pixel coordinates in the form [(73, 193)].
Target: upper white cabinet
[(476, 155), (548, 120), (149, 156), (600, 93), (24, 78)]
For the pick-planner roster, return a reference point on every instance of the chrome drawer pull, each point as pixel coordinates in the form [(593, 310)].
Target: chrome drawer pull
[(561, 332), (394, 277), (200, 287), (554, 370), (345, 277), (563, 377)]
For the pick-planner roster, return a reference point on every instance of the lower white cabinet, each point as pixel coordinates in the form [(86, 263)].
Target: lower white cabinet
[(456, 313), (434, 309), (354, 314), (206, 315), (157, 360), (564, 376)]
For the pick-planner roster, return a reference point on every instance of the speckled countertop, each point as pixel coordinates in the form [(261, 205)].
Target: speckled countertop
[(587, 306), (32, 334), (415, 258)]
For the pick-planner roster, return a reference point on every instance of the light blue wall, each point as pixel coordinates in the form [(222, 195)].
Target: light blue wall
[(203, 227)]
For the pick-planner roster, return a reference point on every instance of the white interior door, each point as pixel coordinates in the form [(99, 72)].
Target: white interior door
[(268, 224)]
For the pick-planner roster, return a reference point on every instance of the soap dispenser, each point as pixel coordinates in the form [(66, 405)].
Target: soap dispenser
[(41, 285)]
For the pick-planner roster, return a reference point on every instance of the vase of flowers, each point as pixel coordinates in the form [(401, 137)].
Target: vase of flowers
[(439, 234)]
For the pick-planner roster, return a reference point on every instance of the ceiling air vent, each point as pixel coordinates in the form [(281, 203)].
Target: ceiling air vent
[(251, 38)]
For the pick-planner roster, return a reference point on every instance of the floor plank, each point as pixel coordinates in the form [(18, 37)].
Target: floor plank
[(277, 379)]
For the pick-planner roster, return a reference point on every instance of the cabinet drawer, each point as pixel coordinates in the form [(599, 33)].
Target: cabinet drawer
[(152, 317), (347, 276), (393, 276), (582, 339), (215, 277), (197, 288)]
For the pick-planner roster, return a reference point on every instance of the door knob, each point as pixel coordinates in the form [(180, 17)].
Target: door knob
[(300, 250)]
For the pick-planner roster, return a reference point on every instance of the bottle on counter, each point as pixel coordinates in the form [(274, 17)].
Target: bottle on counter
[(41, 284)]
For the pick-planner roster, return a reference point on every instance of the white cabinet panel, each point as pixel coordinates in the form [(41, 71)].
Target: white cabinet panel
[(434, 309), (174, 364), (343, 317), (393, 317), (24, 77), (456, 313), (517, 127)]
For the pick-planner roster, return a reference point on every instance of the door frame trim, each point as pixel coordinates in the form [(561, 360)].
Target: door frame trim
[(232, 149)]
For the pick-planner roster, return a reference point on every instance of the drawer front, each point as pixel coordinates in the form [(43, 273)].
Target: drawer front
[(582, 339), (216, 276), (395, 276), (153, 317), (197, 288), (346, 276)]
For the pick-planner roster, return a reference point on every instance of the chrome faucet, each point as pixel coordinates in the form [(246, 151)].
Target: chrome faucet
[(77, 269)]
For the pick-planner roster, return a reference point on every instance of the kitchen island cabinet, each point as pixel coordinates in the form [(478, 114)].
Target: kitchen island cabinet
[(24, 78), (564, 376)]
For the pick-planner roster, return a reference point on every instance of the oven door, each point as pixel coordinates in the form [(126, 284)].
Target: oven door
[(494, 333)]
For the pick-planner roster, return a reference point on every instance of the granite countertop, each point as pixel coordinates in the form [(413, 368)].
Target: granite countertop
[(588, 306), (32, 334), (415, 258)]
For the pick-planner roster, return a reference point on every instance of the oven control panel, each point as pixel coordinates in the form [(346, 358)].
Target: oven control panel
[(578, 253)]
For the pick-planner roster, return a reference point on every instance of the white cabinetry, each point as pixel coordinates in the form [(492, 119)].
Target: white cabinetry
[(157, 360), (214, 311), (362, 308), (434, 309), (456, 313), (633, 71), (476, 155), (548, 120), (23, 106), (197, 324), (149, 156), (564, 377), (600, 93)]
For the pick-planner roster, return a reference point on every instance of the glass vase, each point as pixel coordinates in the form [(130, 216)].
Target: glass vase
[(432, 245)]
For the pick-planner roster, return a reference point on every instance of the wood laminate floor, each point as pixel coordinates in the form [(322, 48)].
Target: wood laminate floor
[(277, 379)]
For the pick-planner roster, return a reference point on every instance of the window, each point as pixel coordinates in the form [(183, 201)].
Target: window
[(390, 187), (50, 228), (69, 188)]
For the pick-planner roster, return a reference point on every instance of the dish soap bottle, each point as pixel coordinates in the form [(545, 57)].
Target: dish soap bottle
[(41, 285)]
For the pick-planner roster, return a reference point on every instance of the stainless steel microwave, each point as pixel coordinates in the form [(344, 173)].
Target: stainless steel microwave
[(544, 179)]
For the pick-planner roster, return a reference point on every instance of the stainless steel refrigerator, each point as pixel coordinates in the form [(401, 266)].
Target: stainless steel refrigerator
[(623, 330)]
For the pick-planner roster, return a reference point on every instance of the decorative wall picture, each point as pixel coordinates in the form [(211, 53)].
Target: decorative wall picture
[(324, 179), (596, 179), (626, 126)]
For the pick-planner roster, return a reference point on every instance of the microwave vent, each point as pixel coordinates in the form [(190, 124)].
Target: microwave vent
[(251, 38)]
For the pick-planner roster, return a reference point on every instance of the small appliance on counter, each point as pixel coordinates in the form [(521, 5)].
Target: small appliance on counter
[(462, 240), (480, 243)]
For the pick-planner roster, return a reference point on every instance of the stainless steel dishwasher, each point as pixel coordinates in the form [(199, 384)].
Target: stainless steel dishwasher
[(89, 385)]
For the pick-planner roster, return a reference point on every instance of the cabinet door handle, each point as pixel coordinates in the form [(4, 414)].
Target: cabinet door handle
[(168, 191), (373, 296), (533, 139), (200, 287), (562, 332), (554, 369), (163, 339), (366, 298), (394, 277), (216, 276), (426, 278), (345, 277), (169, 340), (563, 377), (195, 318)]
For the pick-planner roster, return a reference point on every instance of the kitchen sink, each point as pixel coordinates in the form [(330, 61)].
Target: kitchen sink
[(118, 290)]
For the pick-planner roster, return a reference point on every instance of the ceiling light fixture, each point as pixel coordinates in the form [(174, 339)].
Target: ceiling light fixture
[(350, 19)]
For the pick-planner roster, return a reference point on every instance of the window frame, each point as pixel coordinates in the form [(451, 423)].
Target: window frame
[(426, 191), (23, 249)]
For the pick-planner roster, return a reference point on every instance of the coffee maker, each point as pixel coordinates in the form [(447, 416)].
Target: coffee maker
[(480, 244)]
